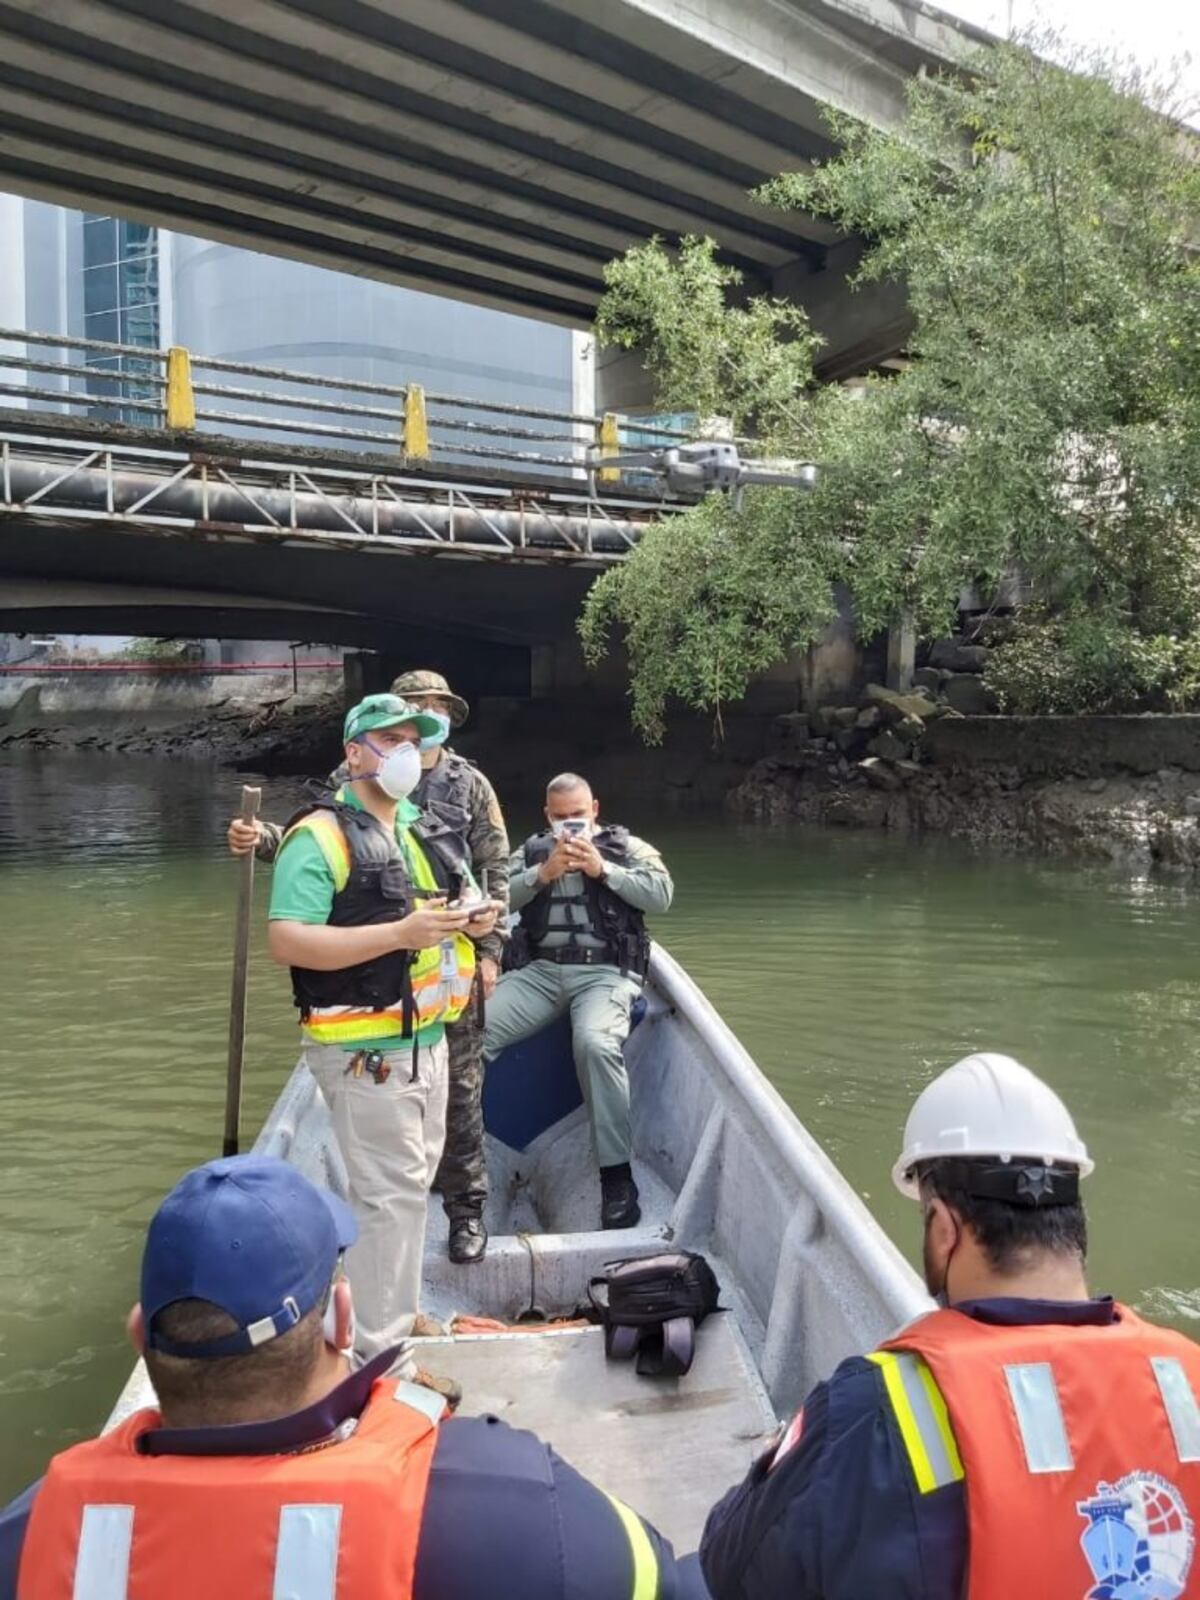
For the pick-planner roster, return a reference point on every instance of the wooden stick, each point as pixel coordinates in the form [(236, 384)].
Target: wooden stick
[(237, 999)]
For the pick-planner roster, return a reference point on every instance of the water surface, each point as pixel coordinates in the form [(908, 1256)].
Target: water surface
[(851, 966)]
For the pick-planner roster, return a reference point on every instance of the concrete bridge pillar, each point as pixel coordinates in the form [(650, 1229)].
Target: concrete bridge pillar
[(901, 653)]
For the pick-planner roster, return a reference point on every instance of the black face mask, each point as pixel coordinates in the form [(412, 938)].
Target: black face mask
[(940, 1293)]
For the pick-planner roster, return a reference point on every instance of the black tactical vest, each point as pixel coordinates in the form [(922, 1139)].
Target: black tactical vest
[(379, 889), (444, 796), (620, 926)]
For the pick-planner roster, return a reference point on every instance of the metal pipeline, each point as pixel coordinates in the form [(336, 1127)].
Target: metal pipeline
[(357, 520)]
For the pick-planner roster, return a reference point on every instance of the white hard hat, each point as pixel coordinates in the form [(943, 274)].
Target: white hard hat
[(988, 1105)]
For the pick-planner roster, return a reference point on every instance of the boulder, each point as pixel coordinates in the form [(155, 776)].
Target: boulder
[(910, 729), (848, 739), (908, 769), (821, 721), (965, 693), (956, 657), (887, 746), (927, 678), (870, 718), (879, 773), (845, 716), (897, 706), (791, 739)]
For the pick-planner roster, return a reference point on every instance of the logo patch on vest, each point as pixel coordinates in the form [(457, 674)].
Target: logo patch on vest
[(1139, 1540)]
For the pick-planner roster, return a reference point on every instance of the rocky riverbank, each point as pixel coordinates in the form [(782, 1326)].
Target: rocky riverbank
[(1084, 787), (284, 733)]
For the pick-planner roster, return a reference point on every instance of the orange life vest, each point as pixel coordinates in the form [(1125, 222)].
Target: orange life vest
[(342, 1520), (1079, 1447)]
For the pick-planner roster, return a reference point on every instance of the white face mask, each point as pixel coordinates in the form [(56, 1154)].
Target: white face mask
[(571, 828), (399, 769)]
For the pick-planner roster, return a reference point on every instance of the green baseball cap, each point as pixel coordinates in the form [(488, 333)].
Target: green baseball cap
[(386, 711)]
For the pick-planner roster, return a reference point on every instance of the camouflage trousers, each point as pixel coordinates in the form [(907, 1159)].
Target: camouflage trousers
[(462, 1175)]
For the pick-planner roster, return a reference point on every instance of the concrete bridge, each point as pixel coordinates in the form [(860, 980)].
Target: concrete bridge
[(500, 151)]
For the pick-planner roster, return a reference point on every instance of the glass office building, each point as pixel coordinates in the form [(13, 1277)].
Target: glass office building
[(128, 283), (121, 306)]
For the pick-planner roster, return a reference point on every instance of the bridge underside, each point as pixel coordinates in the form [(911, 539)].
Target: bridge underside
[(95, 579), (499, 151)]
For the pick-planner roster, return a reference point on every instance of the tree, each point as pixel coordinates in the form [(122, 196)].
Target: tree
[(1046, 224)]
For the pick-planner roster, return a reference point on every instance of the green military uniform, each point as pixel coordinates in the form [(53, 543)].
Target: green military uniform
[(597, 996)]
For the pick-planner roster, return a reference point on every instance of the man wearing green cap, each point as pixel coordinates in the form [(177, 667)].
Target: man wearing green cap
[(456, 800), (380, 964)]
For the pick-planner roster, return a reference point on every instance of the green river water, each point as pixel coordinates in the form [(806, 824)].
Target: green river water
[(851, 966)]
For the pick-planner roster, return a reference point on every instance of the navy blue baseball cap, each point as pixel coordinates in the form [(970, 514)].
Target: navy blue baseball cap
[(251, 1235)]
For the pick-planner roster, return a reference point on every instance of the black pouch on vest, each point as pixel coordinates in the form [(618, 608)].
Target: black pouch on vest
[(651, 1307)]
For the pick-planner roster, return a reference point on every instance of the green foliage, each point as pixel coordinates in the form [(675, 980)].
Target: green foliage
[(164, 650), (750, 363), (1044, 223), (1056, 665)]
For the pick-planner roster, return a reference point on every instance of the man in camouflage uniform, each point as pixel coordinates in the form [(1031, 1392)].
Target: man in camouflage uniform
[(454, 796)]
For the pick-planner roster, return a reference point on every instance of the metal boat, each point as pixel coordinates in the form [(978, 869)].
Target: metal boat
[(724, 1167)]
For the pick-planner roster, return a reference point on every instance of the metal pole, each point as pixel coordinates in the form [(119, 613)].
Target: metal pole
[(251, 798)]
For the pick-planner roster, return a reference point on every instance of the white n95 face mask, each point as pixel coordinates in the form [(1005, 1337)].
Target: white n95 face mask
[(399, 770)]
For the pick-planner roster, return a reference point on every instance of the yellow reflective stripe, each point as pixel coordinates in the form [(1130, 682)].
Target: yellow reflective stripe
[(334, 847), (921, 1416), (941, 1416), (909, 1432), (645, 1562), (419, 869)]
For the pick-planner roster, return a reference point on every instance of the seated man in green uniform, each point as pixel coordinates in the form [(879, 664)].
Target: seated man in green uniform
[(582, 890), (380, 964)]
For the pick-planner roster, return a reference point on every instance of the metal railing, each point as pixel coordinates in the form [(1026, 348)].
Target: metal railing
[(183, 392), (172, 489)]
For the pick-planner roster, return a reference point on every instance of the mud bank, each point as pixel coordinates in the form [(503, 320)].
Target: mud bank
[(283, 733), (1083, 787)]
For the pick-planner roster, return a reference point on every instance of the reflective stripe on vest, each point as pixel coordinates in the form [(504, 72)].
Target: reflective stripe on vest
[(1179, 1402), (1038, 1411), (924, 1424), (1075, 1440), (306, 1552), (102, 1563), (441, 978), (110, 1523), (645, 1562)]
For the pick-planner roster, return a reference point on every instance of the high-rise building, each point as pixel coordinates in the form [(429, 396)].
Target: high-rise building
[(121, 282)]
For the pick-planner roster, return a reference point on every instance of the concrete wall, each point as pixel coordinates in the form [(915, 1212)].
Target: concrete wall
[(27, 699), (1066, 746)]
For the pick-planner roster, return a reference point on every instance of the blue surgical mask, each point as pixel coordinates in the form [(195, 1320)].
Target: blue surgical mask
[(432, 740)]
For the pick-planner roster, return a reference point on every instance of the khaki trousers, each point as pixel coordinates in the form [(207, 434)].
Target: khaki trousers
[(598, 1000), (390, 1135)]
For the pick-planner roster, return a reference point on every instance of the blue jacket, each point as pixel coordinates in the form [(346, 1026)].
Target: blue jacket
[(504, 1515), (834, 1513)]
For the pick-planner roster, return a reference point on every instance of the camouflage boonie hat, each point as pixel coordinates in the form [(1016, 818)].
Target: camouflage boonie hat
[(423, 681)]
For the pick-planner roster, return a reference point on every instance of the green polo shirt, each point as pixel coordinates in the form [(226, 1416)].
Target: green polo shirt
[(302, 890)]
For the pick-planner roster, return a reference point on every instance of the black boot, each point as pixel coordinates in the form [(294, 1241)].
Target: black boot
[(618, 1197), (468, 1240)]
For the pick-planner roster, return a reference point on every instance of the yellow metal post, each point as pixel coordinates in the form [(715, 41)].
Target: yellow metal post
[(416, 424), (610, 445), (181, 398)]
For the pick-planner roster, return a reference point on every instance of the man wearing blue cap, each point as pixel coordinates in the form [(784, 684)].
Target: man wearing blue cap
[(380, 964), (268, 1470)]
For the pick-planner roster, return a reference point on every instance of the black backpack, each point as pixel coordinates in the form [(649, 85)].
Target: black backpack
[(652, 1307)]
